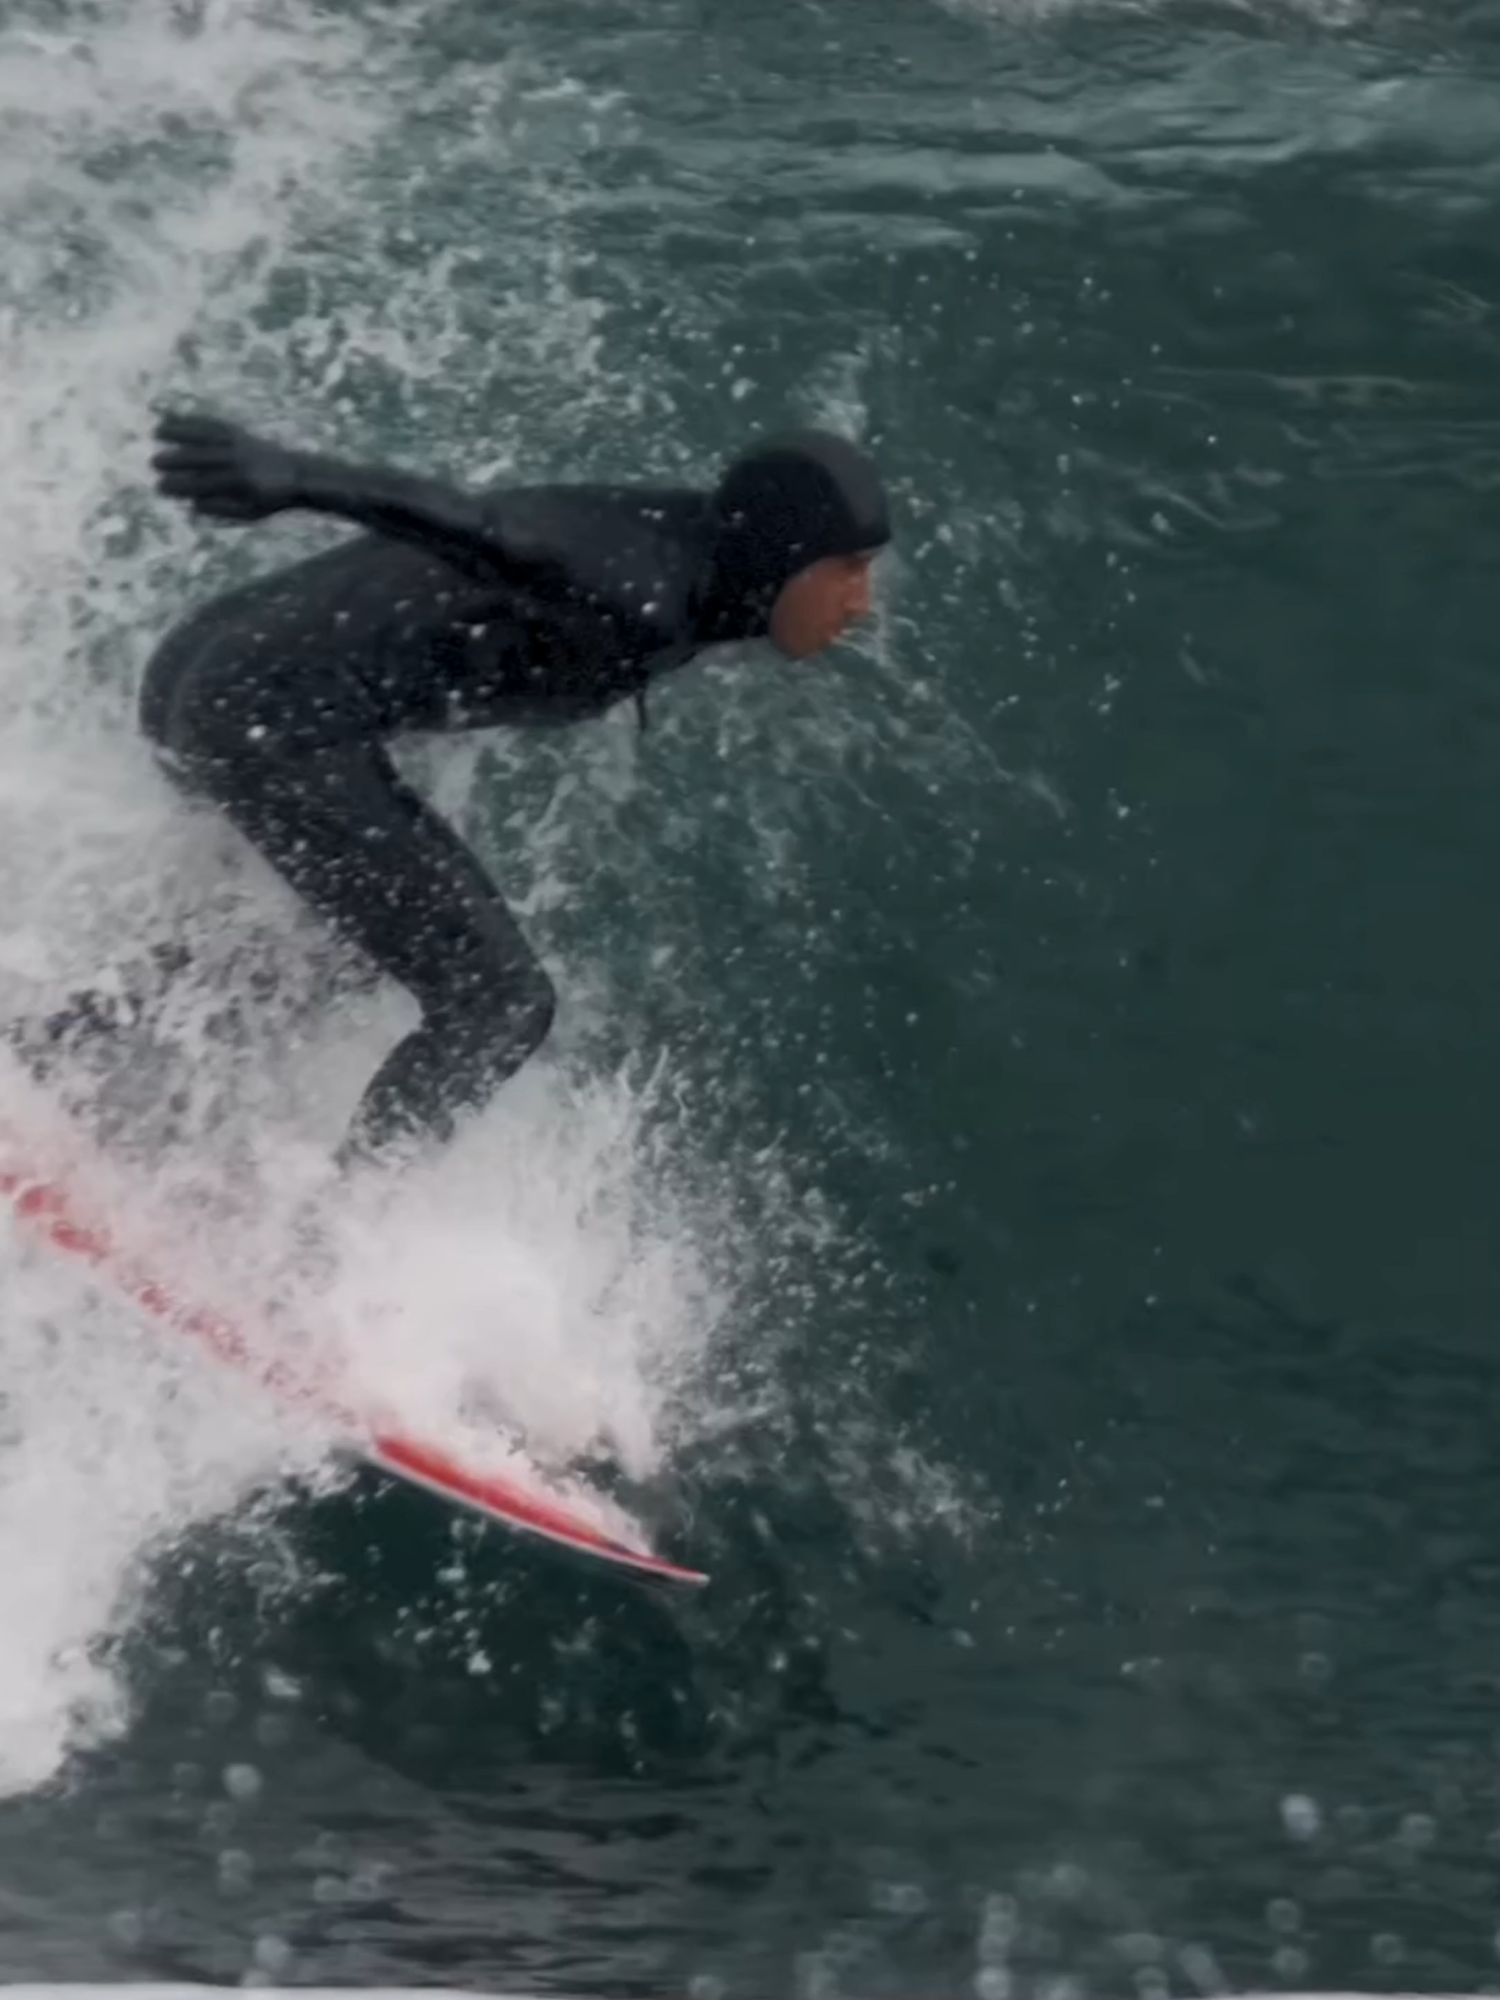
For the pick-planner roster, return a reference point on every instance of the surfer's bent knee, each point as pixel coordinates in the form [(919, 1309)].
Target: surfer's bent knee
[(501, 1026)]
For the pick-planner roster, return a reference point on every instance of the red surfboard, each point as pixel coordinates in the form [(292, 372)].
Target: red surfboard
[(58, 1213)]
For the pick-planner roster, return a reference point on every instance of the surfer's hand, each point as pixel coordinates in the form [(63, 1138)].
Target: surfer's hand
[(222, 471)]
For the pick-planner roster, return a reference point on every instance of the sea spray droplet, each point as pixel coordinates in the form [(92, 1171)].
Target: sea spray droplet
[(1067, 1882), (272, 1954), (1202, 1968), (236, 1871), (243, 1782), (1300, 1816)]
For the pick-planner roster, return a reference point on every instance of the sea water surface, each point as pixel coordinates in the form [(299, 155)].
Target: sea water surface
[(1014, 1182)]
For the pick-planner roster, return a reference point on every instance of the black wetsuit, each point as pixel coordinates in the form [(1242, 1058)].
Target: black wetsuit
[(529, 607)]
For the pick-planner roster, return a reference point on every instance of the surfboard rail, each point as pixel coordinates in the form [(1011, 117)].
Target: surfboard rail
[(49, 1208)]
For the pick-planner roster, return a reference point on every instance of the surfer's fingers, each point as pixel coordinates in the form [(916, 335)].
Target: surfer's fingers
[(194, 464), (187, 483), (192, 432)]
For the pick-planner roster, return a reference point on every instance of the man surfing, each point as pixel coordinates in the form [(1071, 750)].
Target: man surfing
[(523, 607)]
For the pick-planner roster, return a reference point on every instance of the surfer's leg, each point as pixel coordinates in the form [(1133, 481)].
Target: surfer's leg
[(487, 1004), (389, 874)]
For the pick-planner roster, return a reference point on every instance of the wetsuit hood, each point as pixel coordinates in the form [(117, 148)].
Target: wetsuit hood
[(781, 506)]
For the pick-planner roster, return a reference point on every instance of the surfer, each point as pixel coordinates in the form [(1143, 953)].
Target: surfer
[(521, 607)]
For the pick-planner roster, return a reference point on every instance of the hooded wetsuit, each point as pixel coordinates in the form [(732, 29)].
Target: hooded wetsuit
[(527, 607)]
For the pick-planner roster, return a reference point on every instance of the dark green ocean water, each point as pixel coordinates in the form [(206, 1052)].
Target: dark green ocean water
[(1080, 996)]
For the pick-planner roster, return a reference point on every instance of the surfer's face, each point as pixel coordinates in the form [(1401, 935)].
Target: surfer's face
[(820, 604)]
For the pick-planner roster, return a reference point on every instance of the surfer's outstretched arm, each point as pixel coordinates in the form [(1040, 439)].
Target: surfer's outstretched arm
[(227, 473)]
